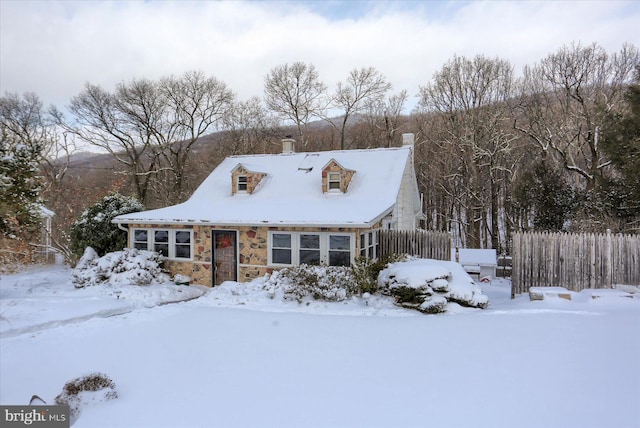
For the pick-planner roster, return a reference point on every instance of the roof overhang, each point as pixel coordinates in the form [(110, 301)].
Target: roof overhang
[(194, 222)]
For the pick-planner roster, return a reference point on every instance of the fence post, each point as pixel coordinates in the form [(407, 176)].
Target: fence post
[(515, 266), (608, 262)]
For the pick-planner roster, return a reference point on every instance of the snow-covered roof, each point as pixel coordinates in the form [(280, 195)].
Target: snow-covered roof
[(291, 192), (42, 211)]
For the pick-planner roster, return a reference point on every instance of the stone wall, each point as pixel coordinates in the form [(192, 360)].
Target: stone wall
[(252, 253)]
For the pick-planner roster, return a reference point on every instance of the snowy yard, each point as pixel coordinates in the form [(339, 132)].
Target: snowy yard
[(235, 357)]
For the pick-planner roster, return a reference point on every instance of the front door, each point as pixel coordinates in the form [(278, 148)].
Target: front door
[(225, 266)]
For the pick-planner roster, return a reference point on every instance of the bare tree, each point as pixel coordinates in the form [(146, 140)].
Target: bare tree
[(363, 88), (250, 128), (469, 96), (295, 92), (29, 128), (564, 100), (120, 123), (25, 122), (150, 127), (196, 105), (384, 118)]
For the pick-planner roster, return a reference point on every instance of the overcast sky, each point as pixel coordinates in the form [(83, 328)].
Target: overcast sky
[(53, 47)]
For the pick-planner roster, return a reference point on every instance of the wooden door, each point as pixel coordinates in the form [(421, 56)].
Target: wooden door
[(225, 266)]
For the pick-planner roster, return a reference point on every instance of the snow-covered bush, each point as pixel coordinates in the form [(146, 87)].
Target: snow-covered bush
[(83, 390), (421, 298), (94, 228), (84, 273), (130, 266), (329, 283), (428, 285), (180, 279)]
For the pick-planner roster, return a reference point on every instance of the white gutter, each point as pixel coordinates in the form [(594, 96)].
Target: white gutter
[(359, 225)]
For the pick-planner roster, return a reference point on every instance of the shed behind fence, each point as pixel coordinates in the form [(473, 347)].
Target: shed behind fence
[(574, 261), (425, 244)]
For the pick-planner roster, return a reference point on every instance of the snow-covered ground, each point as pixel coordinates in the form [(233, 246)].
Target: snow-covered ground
[(240, 357)]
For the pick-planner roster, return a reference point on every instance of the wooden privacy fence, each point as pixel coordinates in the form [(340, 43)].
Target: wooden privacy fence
[(425, 244), (574, 261)]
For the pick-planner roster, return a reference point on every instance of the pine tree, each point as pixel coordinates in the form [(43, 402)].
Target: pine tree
[(544, 194), (21, 152), (94, 228), (621, 143)]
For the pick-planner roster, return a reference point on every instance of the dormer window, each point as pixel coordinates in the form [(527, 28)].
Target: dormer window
[(336, 178), (242, 184), (244, 180), (334, 181)]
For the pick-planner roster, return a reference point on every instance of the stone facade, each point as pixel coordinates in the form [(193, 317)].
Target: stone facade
[(252, 253), (345, 176), (252, 249)]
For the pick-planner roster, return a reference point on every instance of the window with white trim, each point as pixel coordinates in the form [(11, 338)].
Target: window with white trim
[(369, 247), (339, 250), (295, 248), (333, 180), (141, 239), (374, 245), (309, 249), (161, 242), (182, 244), (170, 243), (281, 248), (242, 184)]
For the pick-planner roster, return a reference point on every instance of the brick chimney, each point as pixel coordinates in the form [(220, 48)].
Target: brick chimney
[(288, 145)]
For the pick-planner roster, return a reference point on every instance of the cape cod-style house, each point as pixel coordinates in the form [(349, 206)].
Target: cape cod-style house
[(257, 213)]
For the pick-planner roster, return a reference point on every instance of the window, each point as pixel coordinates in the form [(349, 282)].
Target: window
[(310, 249), (140, 239), (339, 250), (374, 246), (170, 243), (334, 181), (294, 248), (183, 244), (242, 183), (161, 242), (369, 245), (281, 248)]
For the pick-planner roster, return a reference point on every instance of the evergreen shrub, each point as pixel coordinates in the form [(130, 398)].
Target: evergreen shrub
[(365, 271), (94, 227)]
